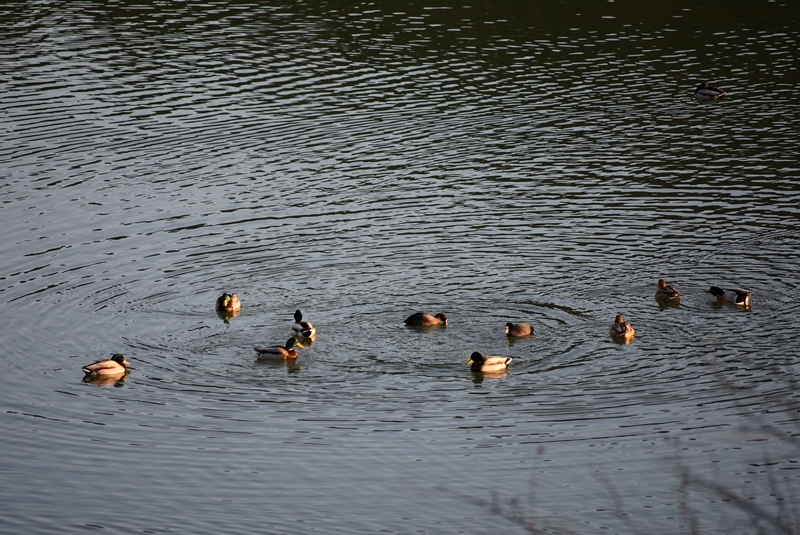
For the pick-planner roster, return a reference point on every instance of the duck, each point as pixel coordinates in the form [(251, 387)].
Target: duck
[(302, 328), (286, 352), (228, 303), (423, 319), (666, 292), (479, 363), (708, 92), (621, 329), (116, 365), (737, 296), (518, 329)]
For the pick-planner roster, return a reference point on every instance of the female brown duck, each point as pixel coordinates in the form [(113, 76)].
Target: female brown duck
[(518, 329), (621, 330), (423, 319)]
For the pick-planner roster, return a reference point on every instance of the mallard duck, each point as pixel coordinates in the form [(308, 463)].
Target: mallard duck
[(519, 329), (228, 303), (286, 352), (479, 363), (423, 319), (116, 365), (621, 329), (302, 328), (737, 296), (707, 92), (666, 292)]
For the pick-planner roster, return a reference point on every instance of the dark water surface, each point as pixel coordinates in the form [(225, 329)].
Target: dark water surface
[(362, 161)]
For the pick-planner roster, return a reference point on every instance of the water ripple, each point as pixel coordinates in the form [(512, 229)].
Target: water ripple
[(362, 165)]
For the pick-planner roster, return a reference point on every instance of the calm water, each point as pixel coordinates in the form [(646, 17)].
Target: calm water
[(363, 161)]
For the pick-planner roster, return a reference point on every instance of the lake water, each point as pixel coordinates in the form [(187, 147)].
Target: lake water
[(362, 161)]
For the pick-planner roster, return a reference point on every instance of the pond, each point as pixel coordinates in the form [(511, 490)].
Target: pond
[(361, 162)]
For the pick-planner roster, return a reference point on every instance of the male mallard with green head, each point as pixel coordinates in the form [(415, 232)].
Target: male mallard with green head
[(666, 292), (116, 365), (423, 319), (479, 363), (708, 92), (302, 328), (228, 303), (737, 296), (286, 352)]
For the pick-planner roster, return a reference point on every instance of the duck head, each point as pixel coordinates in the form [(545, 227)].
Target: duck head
[(292, 343)]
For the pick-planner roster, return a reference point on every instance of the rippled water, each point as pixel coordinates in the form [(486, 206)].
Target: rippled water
[(364, 161)]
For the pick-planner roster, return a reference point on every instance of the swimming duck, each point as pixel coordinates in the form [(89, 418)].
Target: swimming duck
[(423, 319), (707, 92), (621, 329), (666, 292), (286, 352), (302, 328), (519, 329), (479, 363), (737, 296), (116, 365), (228, 303)]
